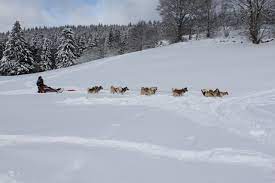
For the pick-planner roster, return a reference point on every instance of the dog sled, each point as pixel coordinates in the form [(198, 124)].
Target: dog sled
[(144, 91)]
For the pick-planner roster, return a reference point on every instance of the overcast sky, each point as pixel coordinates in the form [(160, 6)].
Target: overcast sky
[(78, 12)]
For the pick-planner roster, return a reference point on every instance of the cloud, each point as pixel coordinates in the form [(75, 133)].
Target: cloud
[(61, 12), (28, 13), (125, 11)]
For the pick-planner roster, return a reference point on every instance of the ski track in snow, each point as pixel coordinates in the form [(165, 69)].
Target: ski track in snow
[(224, 156), (249, 111), (236, 114)]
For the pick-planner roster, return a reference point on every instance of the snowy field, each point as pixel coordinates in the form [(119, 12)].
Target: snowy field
[(72, 137)]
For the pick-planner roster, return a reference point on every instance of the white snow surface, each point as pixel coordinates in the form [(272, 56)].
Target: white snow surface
[(75, 137)]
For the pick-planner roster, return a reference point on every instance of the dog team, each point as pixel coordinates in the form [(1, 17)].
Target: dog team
[(149, 91)]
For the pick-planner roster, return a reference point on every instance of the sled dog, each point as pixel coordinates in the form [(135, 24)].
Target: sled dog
[(213, 93), (179, 92), (148, 91), (119, 90), (95, 89), (124, 90)]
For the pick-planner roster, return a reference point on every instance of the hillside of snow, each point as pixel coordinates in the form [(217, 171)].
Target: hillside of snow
[(74, 137)]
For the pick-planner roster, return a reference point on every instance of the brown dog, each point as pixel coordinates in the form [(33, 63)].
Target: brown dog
[(179, 92), (119, 90), (208, 93), (223, 94), (95, 90), (153, 90), (213, 93), (114, 90), (218, 93), (144, 91), (148, 91)]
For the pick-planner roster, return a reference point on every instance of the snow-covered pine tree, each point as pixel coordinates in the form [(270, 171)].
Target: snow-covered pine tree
[(136, 37), (151, 36), (116, 41), (81, 44), (17, 58), (107, 45), (123, 44), (92, 39), (110, 39), (46, 56), (67, 51), (2, 47)]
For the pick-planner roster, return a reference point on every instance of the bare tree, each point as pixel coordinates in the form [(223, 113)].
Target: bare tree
[(256, 13), (175, 14), (228, 17), (209, 7)]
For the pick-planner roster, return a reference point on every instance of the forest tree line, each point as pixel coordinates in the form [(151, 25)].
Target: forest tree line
[(38, 49)]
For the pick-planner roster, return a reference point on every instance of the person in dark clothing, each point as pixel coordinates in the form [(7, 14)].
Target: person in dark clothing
[(42, 88)]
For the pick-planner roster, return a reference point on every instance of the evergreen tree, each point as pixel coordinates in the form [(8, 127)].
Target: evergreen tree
[(67, 51), (81, 44), (123, 44), (46, 56), (110, 39), (151, 37), (94, 41), (17, 58), (2, 47), (36, 43), (107, 44), (137, 37)]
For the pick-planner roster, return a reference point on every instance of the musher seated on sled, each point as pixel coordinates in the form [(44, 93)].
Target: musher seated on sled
[(42, 88)]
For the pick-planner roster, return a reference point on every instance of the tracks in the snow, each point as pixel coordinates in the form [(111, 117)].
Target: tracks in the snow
[(223, 156), (245, 116), (249, 115)]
